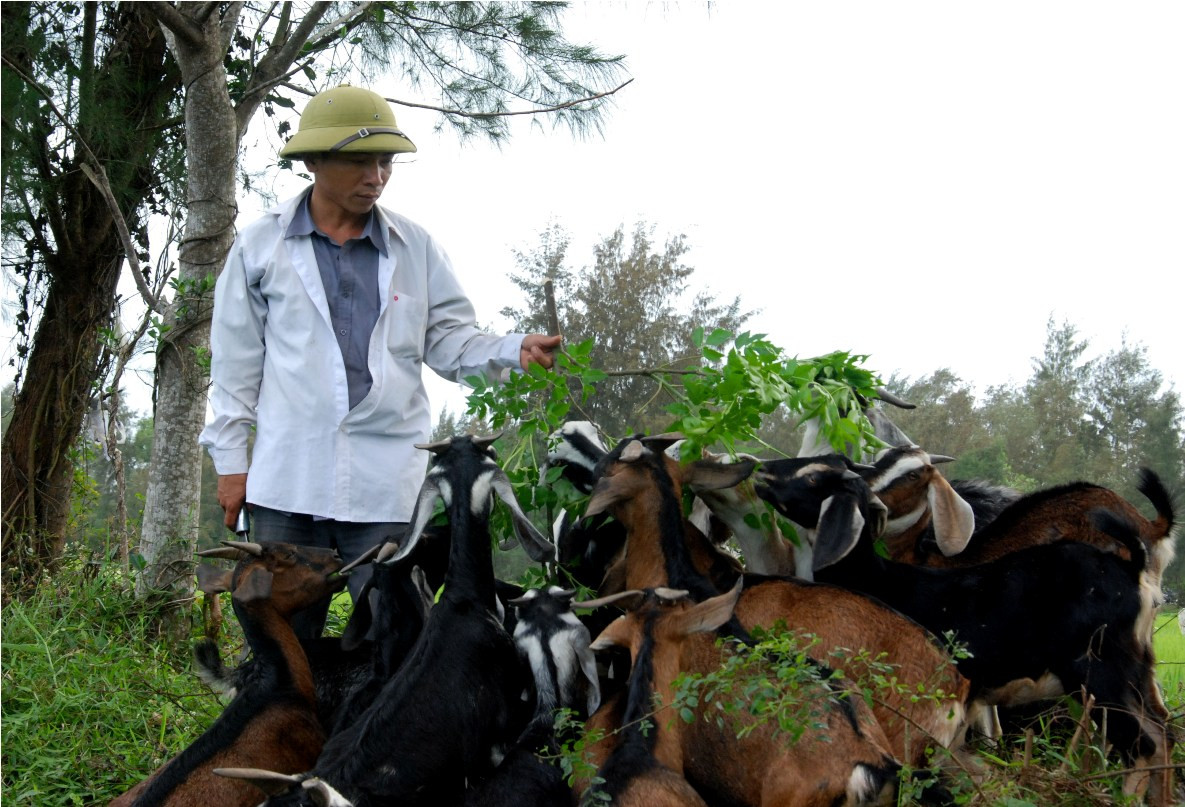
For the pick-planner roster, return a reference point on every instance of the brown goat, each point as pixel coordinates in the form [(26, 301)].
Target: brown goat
[(645, 487), (900, 479), (272, 721), (666, 635)]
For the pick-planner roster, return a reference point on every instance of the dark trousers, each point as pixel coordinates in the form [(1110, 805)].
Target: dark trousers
[(350, 539)]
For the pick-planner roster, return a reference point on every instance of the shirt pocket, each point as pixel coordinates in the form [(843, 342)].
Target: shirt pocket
[(404, 323)]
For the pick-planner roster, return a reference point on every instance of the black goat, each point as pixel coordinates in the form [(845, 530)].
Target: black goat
[(450, 711), (1040, 622)]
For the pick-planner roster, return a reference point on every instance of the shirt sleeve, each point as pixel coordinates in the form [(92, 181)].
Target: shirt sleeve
[(454, 347), (236, 369)]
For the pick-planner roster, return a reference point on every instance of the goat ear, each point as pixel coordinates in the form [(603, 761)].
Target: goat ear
[(420, 516), (588, 666), (361, 618), (712, 475), (604, 495), (617, 633), (953, 518), (533, 541), (254, 585), (419, 579), (708, 615), (321, 794), (838, 532), (661, 442), (269, 782), (212, 580)]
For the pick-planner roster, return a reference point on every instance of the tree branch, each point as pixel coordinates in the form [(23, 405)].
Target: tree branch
[(181, 26), (226, 28), (99, 177), (462, 113)]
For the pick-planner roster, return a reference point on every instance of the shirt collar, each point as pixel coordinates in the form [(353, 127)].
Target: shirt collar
[(302, 224)]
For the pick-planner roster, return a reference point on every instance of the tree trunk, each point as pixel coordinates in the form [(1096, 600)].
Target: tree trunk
[(170, 525), (47, 412), (127, 94)]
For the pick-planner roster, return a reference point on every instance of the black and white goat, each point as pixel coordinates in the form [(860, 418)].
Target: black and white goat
[(453, 707), (1036, 623), (885, 430), (554, 644), (585, 548), (272, 720)]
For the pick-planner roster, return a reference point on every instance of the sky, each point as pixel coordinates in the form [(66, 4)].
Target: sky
[(926, 183)]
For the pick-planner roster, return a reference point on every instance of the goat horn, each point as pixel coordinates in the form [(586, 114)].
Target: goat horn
[(439, 447), (600, 602), (386, 551), (249, 547), (890, 398), (485, 442), (671, 594), (365, 557), (937, 459), (220, 552)]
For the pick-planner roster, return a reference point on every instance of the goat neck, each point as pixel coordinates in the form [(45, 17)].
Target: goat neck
[(637, 487)]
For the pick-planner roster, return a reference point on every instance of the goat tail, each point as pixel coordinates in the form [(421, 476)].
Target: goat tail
[(1124, 530), (1155, 491), (207, 661)]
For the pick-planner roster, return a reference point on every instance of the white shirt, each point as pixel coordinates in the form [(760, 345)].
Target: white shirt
[(277, 366)]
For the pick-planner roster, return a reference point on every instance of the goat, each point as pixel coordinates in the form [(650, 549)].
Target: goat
[(349, 670), (272, 721), (585, 548), (666, 634), (404, 600), (452, 708), (1037, 623), (917, 497), (644, 487), (764, 548), (884, 429), (554, 644)]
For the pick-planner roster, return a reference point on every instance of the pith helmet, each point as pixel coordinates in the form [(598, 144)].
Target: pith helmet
[(347, 119)]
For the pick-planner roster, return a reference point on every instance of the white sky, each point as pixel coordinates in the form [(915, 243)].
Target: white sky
[(924, 182)]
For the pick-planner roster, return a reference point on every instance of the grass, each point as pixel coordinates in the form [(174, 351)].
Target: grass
[(93, 700)]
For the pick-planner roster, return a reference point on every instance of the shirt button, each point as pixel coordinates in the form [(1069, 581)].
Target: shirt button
[(342, 331)]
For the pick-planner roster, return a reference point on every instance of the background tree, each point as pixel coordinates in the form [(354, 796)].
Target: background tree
[(633, 303), (85, 85)]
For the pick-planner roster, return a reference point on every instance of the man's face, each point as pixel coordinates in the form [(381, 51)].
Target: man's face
[(351, 182)]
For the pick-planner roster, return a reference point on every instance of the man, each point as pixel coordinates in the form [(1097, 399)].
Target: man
[(324, 313)]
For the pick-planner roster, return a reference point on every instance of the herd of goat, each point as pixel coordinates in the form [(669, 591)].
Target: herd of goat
[(972, 597)]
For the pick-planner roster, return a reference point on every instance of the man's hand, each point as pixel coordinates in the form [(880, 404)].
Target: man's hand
[(232, 496), (537, 349)]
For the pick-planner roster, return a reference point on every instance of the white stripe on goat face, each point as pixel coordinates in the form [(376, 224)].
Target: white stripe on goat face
[(897, 470), (483, 490)]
